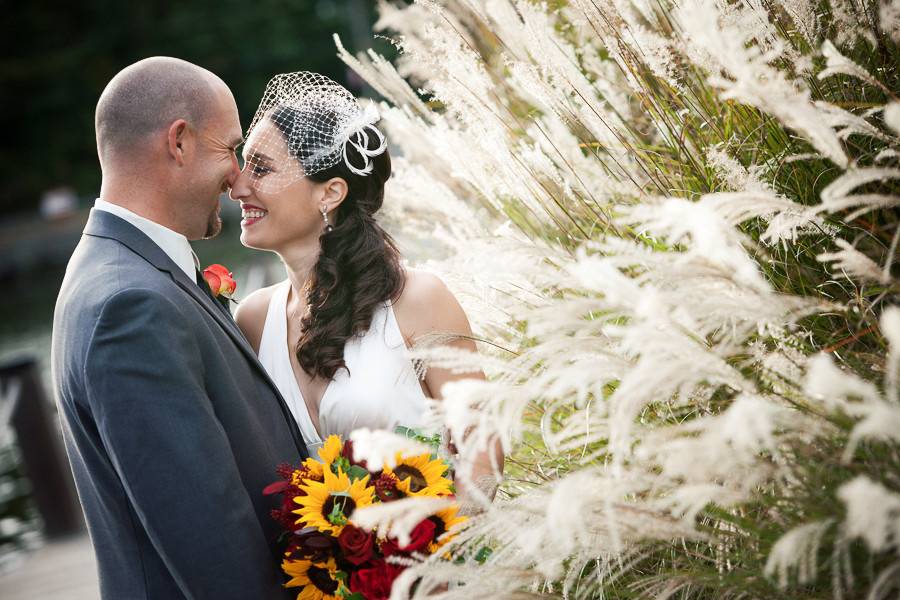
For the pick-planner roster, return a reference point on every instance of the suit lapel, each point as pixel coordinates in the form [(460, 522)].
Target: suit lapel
[(217, 312), (104, 224), (107, 225), (225, 320)]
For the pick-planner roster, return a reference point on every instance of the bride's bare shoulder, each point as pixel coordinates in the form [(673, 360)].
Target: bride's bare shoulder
[(428, 306), (251, 314)]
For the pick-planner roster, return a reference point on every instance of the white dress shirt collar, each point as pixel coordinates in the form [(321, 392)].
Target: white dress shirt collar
[(175, 245)]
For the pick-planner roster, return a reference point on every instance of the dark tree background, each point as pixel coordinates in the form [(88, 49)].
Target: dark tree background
[(58, 56)]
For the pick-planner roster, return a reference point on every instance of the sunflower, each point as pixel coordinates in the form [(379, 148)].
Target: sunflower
[(328, 453), (317, 578), (331, 449), (313, 469), (327, 504), (301, 475), (421, 476), (445, 520)]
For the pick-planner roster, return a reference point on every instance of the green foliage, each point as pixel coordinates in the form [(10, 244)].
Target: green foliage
[(62, 55)]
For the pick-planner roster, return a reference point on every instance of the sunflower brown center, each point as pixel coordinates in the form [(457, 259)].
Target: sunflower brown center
[(344, 503), (322, 579), (417, 481)]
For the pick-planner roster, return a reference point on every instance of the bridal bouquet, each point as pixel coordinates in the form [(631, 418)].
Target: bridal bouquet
[(327, 556)]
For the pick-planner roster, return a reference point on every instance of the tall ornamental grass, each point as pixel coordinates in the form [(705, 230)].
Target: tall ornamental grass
[(674, 225)]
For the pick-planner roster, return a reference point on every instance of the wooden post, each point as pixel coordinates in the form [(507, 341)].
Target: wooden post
[(34, 422)]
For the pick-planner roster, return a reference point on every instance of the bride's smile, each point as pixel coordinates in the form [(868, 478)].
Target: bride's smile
[(251, 214)]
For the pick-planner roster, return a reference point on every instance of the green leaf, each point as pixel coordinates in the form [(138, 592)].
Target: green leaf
[(337, 517), (483, 554), (405, 431), (340, 463), (433, 440), (356, 472)]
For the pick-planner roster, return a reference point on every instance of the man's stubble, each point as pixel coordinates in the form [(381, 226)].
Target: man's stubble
[(213, 224)]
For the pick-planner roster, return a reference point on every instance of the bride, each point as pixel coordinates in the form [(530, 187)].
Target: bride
[(334, 335)]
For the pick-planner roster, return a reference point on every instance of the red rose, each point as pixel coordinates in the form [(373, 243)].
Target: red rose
[(389, 547), (375, 583), (419, 538), (219, 280), (357, 544)]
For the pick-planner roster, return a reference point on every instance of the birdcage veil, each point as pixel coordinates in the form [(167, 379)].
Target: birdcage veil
[(306, 123)]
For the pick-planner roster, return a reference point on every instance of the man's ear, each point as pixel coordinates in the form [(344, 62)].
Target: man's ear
[(177, 140)]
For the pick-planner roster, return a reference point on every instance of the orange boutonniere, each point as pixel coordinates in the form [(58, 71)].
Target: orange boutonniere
[(220, 282)]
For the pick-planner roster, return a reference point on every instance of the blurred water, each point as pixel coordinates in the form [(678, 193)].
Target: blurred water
[(34, 341)]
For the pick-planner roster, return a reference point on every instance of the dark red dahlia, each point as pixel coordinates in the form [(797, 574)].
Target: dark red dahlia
[(312, 544)]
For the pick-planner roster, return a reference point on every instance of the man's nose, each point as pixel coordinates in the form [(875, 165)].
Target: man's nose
[(236, 182)]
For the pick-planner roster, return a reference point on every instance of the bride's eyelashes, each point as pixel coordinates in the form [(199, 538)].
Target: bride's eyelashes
[(259, 164)]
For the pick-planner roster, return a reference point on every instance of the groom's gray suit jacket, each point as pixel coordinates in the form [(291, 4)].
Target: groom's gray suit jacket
[(171, 425)]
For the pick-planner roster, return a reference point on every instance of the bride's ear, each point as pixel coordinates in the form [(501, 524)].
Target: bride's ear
[(334, 191)]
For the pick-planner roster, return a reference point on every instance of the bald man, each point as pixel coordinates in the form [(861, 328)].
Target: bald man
[(171, 424)]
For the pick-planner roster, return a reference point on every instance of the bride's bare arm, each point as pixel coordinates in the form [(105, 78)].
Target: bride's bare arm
[(427, 308)]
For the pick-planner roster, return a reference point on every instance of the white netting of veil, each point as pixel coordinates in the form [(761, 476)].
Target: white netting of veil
[(306, 123)]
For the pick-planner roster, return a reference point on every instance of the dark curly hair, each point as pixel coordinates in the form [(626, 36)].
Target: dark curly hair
[(359, 264)]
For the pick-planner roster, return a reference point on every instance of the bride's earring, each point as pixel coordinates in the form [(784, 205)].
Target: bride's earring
[(328, 227)]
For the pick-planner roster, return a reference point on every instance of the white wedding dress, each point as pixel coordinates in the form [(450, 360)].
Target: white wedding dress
[(380, 392)]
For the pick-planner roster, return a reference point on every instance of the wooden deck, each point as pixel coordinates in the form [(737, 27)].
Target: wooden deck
[(59, 569)]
